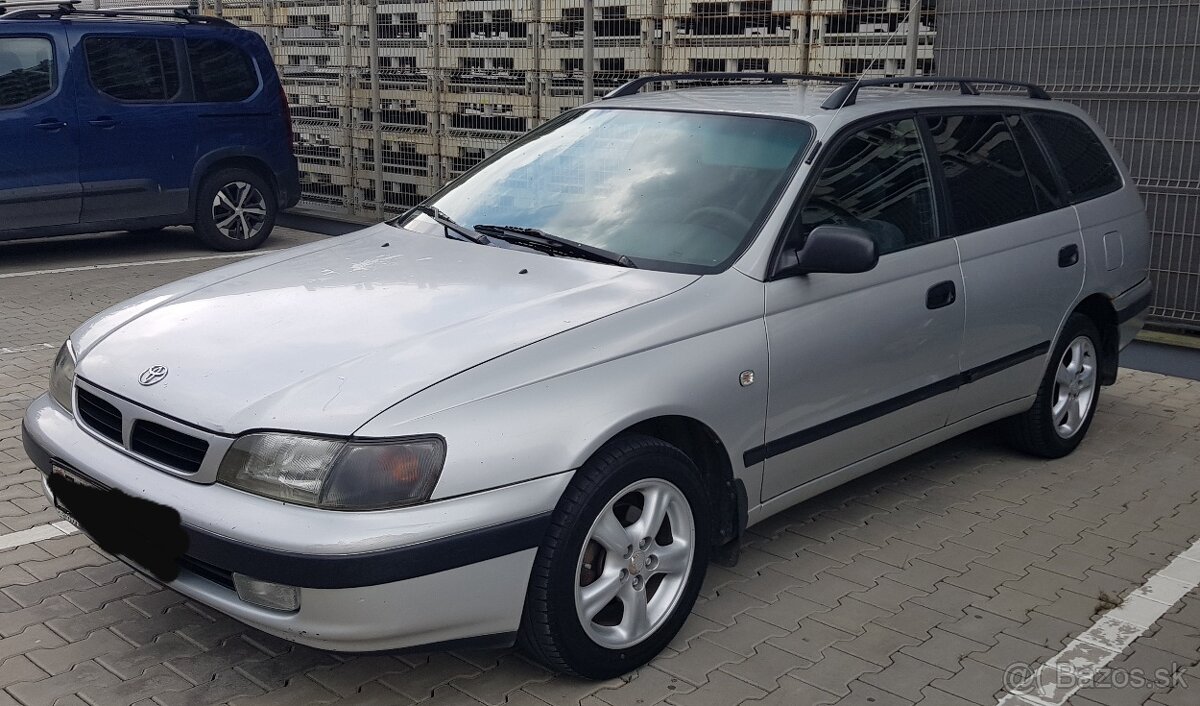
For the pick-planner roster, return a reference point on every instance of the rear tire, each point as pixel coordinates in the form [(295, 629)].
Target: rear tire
[(1066, 400), (611, 587), (235, 210)]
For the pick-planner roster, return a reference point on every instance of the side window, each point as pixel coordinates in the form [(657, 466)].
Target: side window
[(876, 180), (26, 69), (133, 68), (1041, 175), (985, 176), (221, 72), (1082, 158)]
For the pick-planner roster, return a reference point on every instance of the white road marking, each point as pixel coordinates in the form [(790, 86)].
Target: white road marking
[(1108, 636), (25, 349), (138, 263), (37, 534)]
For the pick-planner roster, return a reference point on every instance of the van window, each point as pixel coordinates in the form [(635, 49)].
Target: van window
[(1041, 174), (221, 72), (26, 69), (876, 180), (133, 68), (1082, 158), (985, 176)]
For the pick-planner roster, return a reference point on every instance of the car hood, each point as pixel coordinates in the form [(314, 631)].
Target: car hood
[(324, 341)]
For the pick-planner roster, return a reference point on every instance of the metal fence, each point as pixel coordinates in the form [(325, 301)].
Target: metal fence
[(1135, 66)]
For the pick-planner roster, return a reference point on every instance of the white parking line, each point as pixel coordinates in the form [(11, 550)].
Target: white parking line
[(1055, 681), (138, 263), (37, 534), (25, 349)]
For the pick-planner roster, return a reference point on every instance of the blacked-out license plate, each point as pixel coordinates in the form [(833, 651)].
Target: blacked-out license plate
[(143, 531)]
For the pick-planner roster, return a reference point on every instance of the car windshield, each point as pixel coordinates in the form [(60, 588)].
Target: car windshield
[(669, 190)]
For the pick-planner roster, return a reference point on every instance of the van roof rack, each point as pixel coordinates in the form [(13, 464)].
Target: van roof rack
[(848, 94), (632, 87), (40, 9)]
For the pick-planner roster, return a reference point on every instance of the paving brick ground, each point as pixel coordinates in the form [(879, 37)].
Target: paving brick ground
[(919, 584)]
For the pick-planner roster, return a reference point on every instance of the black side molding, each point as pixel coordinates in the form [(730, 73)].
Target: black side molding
[(804, 437), (1137, 307)]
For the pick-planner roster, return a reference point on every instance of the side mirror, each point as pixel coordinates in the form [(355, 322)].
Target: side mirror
[(834, 249)]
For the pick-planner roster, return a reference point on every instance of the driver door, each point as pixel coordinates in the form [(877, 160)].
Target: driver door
[(861, 363)]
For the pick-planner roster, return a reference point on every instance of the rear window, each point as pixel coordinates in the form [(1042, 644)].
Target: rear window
[(985, 175), (133, 68), (221, 72), (1082, 158), (26, 69)]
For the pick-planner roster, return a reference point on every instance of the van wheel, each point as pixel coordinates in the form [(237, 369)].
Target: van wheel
[(621, 563), (1066, 400), (235, 210)]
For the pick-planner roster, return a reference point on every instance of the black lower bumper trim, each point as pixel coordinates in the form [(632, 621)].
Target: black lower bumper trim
[(1137, 307)]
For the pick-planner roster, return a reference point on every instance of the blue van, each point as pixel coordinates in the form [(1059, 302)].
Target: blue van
[(137, 120)]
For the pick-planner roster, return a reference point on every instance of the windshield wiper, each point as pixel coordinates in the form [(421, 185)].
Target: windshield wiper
[(553, 244), (463, 232)]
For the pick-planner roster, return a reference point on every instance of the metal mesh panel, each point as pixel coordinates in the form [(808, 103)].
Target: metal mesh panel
[(1131, 64)]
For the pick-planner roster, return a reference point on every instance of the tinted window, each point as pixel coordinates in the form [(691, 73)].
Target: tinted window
[(26, 69), (1081, 157), (985, 176), (133, 68), (673, 191), (876, 180), (1045, 186), (221, 72)]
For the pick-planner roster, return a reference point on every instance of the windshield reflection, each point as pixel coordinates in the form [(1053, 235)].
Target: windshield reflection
[(671, 190)]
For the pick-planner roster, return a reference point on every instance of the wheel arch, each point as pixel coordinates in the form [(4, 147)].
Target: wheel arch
[(227, 159), (704, 447), (1100, 310)]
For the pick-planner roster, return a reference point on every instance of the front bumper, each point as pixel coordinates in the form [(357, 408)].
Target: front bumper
[(445, 571)]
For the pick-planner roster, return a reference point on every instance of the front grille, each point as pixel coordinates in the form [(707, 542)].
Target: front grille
[(205, 570), (102, 417), (167, 446)]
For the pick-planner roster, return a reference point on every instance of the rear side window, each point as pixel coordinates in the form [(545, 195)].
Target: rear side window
[(221, 72), (985, 177), (1045, 186), (876, 180), (1082, 158), (26, 69), (133, 68)]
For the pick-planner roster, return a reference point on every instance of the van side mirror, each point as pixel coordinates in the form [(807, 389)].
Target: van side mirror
[(833, 249)]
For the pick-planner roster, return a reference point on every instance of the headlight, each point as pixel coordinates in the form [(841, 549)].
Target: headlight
[(334, 474), (62, 378)]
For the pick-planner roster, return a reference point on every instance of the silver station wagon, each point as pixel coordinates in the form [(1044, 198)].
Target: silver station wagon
[(535, 407)]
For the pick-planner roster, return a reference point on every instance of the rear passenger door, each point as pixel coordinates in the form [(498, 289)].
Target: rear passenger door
[(1020, 247), (138, 144)]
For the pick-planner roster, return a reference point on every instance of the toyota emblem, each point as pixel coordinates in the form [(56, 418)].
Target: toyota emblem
[(153, 375)]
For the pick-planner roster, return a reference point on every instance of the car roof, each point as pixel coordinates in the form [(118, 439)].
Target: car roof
[(804, 100)]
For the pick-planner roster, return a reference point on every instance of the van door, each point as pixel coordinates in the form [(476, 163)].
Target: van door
[(137, 147), (1022, 255), (39, 150), (861, 363)]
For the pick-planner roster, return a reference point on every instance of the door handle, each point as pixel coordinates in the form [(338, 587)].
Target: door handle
[(103, 121), (51, 125), (940, 295), (1068, 256)]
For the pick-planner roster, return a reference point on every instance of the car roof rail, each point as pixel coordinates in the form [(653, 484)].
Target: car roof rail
[(847, 94), (35, 9), (9, 6), (632, 87)]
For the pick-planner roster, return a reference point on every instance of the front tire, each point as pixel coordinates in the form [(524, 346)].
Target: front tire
[(622, 561), (235, 210), (1066, 400)]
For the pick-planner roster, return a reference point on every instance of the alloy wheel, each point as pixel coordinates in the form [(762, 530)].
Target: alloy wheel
[(239, 211), (635, 563), (1074, 387)]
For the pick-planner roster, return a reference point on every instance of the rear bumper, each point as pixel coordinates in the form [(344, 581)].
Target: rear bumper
[(442, 582), (289, 185), (1133, 308)]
